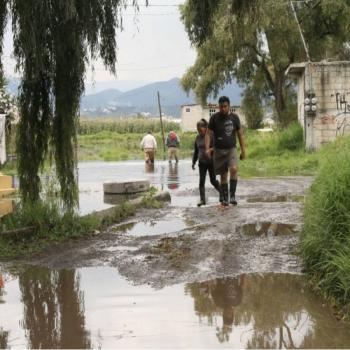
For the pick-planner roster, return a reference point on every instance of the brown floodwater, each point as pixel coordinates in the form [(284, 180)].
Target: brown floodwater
[(96, 307)]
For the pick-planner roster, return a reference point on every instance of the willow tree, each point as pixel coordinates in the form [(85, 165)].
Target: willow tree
[(54, 41), (248, 39)]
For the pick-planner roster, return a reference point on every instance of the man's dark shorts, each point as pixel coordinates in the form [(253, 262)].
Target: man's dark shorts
[(224, 159)]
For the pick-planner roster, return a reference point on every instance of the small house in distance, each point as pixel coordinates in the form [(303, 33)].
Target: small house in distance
[(323, 100), (191, 114)]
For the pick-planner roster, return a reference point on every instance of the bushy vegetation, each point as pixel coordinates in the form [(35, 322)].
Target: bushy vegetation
[(278, 153), (325, 238), (124, 126), (32, 227)]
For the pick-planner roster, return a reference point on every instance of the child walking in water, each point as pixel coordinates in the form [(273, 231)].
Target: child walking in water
[(205, 163)]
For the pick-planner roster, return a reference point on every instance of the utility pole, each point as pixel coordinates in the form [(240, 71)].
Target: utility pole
[(300, 31), (161, 123)]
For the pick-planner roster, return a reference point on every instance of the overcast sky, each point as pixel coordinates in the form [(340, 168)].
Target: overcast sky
[(152, 47)]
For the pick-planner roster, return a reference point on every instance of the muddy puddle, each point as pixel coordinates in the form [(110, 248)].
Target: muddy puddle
[(162, 279), (153, 227), (97, 308), (268, 229), (163, 176)]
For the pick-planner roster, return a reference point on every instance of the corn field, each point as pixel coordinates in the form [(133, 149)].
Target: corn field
[(124, 126)]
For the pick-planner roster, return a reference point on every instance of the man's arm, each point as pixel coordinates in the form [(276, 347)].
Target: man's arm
[(241, 142), (208, 138)]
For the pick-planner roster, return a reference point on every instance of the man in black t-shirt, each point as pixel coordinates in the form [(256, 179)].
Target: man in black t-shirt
[(223, 127)]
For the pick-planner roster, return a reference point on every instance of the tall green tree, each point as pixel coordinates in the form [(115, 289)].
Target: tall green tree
[(53, 43), (245, 38)]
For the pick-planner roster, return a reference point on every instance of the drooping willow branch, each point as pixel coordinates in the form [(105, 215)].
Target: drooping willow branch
[(53, 43)]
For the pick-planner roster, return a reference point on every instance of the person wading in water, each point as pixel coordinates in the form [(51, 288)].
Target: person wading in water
[(205, 163), (223, 127)]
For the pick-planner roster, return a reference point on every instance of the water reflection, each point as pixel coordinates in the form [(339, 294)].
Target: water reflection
[(274, 307), (173, 177), (4, 335), (116, 199), (53, 309), (6, 206), (2, 288), (56, 308), (149, 168)]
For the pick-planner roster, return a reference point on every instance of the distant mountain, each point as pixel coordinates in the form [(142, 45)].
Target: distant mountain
[(144, 99), (114, 102), (101, 99)]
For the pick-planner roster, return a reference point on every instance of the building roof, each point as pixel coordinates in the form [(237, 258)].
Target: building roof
[(209, 105), (297, 69)]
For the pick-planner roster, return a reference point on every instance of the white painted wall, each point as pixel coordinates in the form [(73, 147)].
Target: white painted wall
[(190, 115)]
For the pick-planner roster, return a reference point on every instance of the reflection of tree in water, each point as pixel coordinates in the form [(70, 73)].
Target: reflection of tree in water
[(53, 309), (277, 306), (4, 335)]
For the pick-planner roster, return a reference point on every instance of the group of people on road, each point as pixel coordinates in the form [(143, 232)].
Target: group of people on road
[(149, 146), (216, 152), (215, 149)]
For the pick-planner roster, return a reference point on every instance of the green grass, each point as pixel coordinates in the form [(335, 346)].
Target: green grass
[(114, 146), (280, 153), (51, 225), (325, 238)]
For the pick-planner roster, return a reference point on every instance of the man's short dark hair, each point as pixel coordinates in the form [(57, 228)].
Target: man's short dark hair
[(224, 99)]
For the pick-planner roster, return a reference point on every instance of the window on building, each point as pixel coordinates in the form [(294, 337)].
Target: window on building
[(188, 110), (212, 111), (232, 109)]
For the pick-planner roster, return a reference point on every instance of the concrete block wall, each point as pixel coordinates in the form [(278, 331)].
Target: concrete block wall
[(330, 81)]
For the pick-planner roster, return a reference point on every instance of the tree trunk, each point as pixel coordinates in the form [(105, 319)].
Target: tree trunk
[(280, 103)]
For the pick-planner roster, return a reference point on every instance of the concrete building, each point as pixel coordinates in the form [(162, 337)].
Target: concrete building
[(191, 114), (323, 100)]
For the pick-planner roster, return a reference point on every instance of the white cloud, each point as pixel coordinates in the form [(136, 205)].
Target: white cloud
[(153, 46)]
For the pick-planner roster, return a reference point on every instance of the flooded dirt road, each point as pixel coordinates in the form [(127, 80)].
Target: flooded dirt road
[(180, 276), (96, 307)]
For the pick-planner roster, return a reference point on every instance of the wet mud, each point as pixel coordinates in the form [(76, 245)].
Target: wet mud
[(182, 243), (179, 276)]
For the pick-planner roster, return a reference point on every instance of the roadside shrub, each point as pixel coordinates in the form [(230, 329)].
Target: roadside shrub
[(46, 218), (325, 237), (291, 138)]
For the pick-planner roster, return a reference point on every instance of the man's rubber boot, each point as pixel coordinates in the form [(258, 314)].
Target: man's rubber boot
[(233, 186), (224, 189), (202, 197), (218, 188)]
